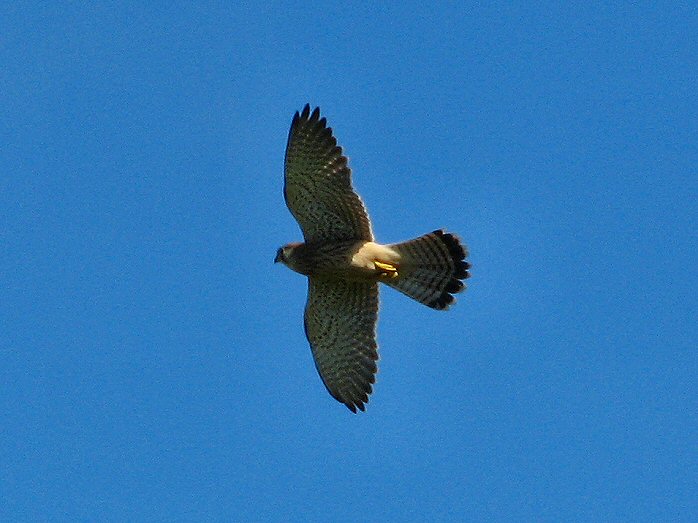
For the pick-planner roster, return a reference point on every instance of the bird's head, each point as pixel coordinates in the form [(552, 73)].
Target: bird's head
[(285, 253)]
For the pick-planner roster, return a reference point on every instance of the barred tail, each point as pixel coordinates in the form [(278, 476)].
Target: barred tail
[(431, 268)]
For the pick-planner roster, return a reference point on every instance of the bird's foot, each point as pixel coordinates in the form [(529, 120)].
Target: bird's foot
[(387, 270)]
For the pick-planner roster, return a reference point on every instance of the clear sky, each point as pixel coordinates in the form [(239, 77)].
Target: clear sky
[(153, 362)]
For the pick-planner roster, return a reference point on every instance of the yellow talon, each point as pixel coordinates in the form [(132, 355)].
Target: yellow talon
[(389, 271)]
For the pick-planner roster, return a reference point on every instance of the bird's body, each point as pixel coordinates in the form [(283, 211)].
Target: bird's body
[(344, 264), (350, 259)]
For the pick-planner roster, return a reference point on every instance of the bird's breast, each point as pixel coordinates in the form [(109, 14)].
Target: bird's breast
[(349, 260)]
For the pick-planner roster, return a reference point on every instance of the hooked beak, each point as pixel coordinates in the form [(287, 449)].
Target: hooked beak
[(277, 258)]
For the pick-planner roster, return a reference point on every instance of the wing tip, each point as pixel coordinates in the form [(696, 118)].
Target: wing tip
[(354, 406), (306, 114)]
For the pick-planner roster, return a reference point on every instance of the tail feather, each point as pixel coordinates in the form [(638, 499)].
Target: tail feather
[(431, 268)]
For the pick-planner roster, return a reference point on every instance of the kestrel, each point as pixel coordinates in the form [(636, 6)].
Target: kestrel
[(344, 265)]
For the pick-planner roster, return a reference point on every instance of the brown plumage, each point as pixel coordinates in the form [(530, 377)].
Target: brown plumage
[(344, 265)]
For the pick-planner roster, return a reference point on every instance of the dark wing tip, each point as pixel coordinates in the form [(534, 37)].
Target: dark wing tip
[(454, 286), (353, 398), (355, 405), (356, 394), (303, 116), (312, 123)]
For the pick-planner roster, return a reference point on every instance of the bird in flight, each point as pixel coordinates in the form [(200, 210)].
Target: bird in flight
[(344, 265)]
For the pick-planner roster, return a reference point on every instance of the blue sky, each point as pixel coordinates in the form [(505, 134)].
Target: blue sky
[(154, 365)]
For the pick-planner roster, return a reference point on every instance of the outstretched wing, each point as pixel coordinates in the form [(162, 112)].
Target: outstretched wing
[(317, 186), (340, 324)]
